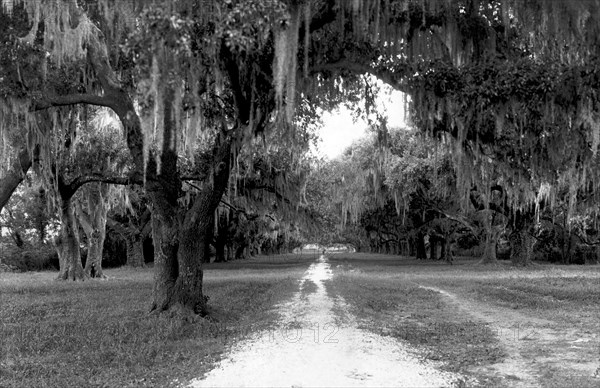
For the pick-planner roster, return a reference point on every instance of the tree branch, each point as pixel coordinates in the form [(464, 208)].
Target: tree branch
[(71, 99), (194, 177), (97, 177), (13, 177), (271, 190), (459, 219), (244, 212)]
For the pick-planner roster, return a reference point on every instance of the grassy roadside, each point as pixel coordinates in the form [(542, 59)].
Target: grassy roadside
[(554, 315), (387, 303), (556, 307), (99, 334)]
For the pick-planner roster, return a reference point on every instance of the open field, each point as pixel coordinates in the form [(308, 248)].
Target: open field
[(500, 325), (497, 326), (98, 333)]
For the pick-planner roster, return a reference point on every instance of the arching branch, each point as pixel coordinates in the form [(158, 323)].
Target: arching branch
[(11, 180), (71, 99), (67, 190)]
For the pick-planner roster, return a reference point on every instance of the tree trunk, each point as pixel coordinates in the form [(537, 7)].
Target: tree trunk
[(420, 246), (163, 189), (210, 240), (521, 247), (92, 217), (565, 246), (491, 241), (135, 250), (489, 249), (93, 265), (191, 254), (446, 254), (219, 251), (240, 252), (181, 246), (67, 245), (41, 219), (220, 240), (177, 267), (432, 247), (13, 177), (197, 226), (165, 236)]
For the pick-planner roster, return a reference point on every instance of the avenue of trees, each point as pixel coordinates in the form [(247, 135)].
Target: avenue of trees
[(403, 199), (187, 124)]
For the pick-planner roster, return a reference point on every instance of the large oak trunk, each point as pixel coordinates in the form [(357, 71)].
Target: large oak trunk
[(492, 235), (521, 247), (165, 235), (192, 253), (180, 245), (67, 245), (163, 187), (93, 264), (195, 236), (489, 249), (92, 217)]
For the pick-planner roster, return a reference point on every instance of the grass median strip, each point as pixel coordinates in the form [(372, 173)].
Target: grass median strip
[(394, 306), (504, 325)]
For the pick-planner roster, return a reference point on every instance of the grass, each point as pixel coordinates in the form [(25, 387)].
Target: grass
[(387, 296), (99, 333), (387, 304)]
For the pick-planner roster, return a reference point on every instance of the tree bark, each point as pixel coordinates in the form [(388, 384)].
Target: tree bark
[(192, 252), (220, 240), (67, 245), (240, 252), (135, 250), (420, 246), (165, 235), (92, 216), (521, 244), (197, 224), (93, 265), (446, 253), (13, 177), (491, 241), (489, 250), (182, 245), (163, 188), (432, 247)]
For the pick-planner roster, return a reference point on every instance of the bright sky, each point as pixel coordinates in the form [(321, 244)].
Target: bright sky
[(339, 131)]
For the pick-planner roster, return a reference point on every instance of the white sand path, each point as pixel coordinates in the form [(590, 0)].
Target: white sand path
[(310, 348)]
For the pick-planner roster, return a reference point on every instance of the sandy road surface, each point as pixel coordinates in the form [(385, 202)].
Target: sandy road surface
[(311, 346)]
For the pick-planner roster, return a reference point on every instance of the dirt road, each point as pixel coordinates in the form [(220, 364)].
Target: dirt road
[(313, 346)]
